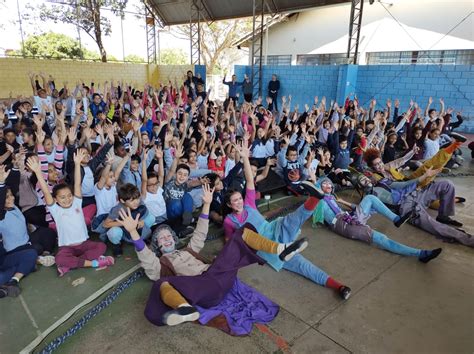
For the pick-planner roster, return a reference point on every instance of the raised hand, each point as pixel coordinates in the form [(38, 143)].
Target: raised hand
[(4, 174), (243, 150), (79, 156), (158, 152), (179, 152), (34, 164), (127, 221), (207, 193), (99, 130), (110, 129), (38, 119)]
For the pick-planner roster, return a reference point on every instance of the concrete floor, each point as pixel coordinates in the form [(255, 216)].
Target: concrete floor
[(398, 304)]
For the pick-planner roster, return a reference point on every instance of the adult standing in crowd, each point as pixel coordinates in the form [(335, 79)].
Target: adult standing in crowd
[(273, 88)]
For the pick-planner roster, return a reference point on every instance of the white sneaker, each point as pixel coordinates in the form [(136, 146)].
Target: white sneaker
[(459, 160), (455, 166), (46, 261)]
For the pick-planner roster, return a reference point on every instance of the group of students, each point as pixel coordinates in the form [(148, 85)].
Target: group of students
[(135, 166)]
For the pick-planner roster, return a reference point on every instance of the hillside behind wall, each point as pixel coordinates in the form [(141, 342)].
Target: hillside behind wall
[(455, 83), (14, 73)]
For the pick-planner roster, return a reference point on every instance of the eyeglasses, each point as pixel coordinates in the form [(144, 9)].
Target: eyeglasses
[(152, 184)]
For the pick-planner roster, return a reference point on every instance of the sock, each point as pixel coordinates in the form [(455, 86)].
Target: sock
[(15, 279), (95, 263), (452, 147), (333, 284), (310, 203), (171, 296), (259, 243)]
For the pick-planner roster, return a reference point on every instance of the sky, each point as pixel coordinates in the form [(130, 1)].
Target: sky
[(134, 35)]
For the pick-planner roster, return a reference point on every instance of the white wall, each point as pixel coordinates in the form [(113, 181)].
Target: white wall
[(309, 30)]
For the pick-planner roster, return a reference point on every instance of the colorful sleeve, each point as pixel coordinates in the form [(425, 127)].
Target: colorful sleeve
[(250, 196)]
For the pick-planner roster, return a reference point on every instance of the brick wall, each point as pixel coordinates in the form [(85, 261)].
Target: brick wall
[(454, 83), (14, 73), (302, 82)]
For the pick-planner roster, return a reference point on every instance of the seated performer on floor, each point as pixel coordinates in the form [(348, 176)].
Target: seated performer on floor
[(187, 288), (284, 229), (410, 200), (353, 224)]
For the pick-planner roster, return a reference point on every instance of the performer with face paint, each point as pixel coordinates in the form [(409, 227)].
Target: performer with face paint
[(187, 288), (353, 224), (414, 201)]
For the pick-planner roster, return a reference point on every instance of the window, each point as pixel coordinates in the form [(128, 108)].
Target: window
[(321, 59), (276, 60), (443, 57)]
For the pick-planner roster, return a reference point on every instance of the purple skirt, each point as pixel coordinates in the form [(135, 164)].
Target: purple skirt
[(218, 291)]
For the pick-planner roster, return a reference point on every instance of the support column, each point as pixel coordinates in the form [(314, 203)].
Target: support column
[(355, 24), (257, 46), (195, 32), (347, 82)]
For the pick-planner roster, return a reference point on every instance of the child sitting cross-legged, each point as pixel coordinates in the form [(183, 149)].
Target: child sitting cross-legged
[(65, 205), (129, 197)]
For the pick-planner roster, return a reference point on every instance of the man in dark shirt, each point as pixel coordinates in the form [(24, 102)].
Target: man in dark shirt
[(273, 88)]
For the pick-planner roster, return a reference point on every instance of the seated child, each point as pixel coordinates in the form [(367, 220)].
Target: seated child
[(152, 188), (129, 197), (75, 250), (105, 193)]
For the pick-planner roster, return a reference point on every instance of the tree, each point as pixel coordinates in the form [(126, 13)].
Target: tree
[(216, 39), (85, 14), (56, 46), (133, 58), (173, 57)]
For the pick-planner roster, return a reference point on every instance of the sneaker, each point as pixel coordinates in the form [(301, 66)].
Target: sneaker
[(427, 255), (105, 261), (188, 230), (62, 271), (11, 289), (46, 261), (455, 166), (294, 248), (117, 250), (311, 189), (181, 314), (402, 220), (446, 170), (458, 137), (344, 292), (3, 292), (459, 160), (448, 221)]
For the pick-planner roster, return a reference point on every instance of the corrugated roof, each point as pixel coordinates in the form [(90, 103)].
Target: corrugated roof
[(177, 12)]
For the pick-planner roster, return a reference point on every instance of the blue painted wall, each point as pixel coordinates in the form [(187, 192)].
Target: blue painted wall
[(454, 83)]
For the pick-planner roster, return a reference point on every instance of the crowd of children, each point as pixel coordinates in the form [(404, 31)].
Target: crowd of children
[(123, 164)]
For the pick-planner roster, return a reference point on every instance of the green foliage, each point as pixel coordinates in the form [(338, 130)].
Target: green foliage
[(55, 46), (84, 14), (133, 58), (173, 57)]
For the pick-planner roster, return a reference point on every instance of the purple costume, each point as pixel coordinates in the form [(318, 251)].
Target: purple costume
[(218, 291)]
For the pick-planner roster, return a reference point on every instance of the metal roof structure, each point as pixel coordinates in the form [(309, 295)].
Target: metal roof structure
[(177, 12)]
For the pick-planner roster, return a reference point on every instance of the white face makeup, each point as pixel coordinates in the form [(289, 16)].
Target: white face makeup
[(165, 241)]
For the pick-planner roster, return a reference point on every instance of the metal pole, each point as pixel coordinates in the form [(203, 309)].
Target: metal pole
[(79, 30), (21, 28), (261, 49), (123, 43)]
